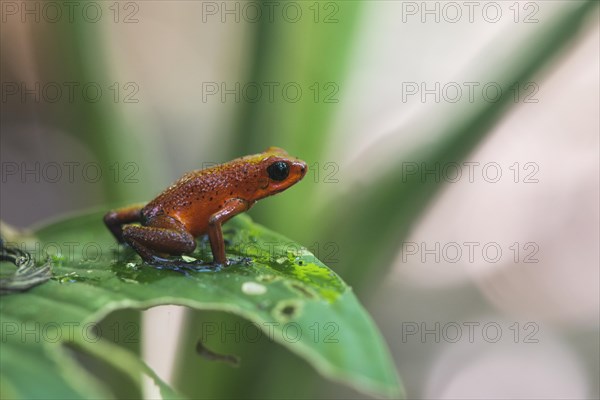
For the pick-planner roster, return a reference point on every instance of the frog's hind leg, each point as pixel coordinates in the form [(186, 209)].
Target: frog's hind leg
[(161, 236), (115, 219)]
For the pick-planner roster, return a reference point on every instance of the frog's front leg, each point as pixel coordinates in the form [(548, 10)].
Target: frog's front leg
[(215, 234), (161, 235)]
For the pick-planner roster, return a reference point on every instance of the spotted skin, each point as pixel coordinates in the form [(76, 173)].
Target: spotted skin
[(200, 202)]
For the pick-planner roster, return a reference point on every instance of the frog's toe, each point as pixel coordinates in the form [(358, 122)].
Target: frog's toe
[(184, 265), (237, 261), (201, 267)]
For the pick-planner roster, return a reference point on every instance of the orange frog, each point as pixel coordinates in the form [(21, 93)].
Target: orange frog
[(199, 202)]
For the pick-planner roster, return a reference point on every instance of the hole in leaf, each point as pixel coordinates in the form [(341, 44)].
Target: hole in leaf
[(287, 310)]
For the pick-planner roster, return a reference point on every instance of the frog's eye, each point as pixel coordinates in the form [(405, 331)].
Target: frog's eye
[(278, 171)]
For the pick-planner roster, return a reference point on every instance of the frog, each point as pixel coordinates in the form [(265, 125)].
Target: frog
[(199, 203)]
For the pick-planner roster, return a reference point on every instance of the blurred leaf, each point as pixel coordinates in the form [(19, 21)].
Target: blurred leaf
[(76, 53), (306, 62), (283, 285), (127, 362), (391, 204), (35, 370)]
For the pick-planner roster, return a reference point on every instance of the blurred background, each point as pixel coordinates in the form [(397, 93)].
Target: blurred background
[(453, 152)]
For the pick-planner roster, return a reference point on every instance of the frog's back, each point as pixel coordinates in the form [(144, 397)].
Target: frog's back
[(195, 197)]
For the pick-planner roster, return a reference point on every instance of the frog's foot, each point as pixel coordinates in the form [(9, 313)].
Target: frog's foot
[(236, 261), (180, 265)]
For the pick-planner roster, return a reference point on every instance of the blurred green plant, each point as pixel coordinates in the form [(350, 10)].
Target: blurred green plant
[(401, 200)]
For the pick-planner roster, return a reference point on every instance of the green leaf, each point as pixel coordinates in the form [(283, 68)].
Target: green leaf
[(275, 284)]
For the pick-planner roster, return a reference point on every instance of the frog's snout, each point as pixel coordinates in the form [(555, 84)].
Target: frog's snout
[(300, 168), (303, 168)]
